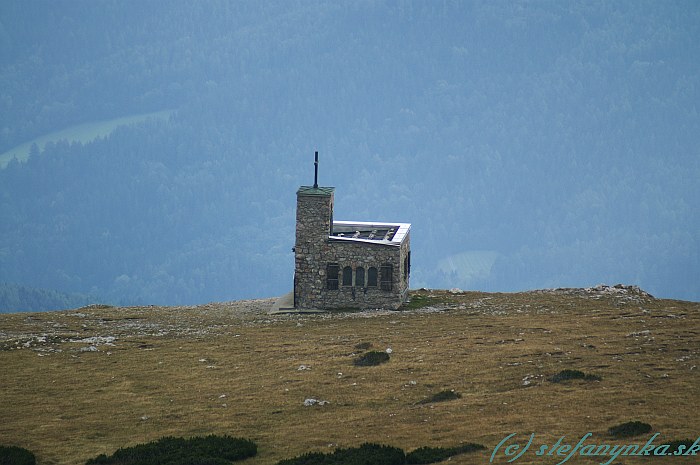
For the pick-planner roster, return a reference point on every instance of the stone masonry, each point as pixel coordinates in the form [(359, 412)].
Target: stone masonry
[(337, 272)]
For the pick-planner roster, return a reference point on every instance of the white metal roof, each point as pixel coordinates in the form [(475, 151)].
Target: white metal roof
[(345, 230)]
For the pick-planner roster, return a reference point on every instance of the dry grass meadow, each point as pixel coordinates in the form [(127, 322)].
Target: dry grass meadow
[(75, 384)]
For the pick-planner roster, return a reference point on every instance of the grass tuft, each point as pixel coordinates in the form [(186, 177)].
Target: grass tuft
[(363, 346), (629, 429), (567, 375), (442, 396), (372, 358)]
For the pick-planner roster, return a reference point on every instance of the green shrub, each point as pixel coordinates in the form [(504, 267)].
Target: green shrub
[(310, 458), (202, 461), (566, 375), (425, 455), (366, 454), (371, 359), (673, 445), (13, 455), (442, 396), (417, 301), (209, 450), (629, 429)]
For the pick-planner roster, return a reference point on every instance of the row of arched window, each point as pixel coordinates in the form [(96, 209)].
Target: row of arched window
[(358, 278)]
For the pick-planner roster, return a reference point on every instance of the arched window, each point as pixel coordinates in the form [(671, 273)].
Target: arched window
[(372, 277), (332, 271), (360, 277), (347, 276), (386, 273)]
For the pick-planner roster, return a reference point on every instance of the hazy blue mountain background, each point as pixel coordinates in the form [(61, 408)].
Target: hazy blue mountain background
[(530, 144)]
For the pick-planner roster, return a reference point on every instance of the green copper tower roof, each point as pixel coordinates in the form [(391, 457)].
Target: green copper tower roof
[(310, 190)]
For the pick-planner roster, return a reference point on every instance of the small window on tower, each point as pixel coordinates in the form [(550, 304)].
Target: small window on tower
[(347, 276), (332, 271)]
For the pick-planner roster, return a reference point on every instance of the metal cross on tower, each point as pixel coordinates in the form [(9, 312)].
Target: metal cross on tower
[(316, 170)]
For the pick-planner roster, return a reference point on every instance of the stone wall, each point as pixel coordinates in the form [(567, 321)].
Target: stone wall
[(366, 255)]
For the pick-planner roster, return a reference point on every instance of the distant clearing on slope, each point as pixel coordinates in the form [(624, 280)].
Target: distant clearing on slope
[(82, 133)]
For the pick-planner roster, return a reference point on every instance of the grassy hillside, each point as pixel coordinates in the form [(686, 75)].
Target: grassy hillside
[(79, 383)]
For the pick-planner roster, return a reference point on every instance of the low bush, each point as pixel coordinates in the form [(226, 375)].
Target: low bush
[(674, 445), (442, 396), (629, 429), (13, 455), (375, 454), (425, 455), (366, 454), (418, 301), (310, 458), (566, 375), (371, 359), (209, 450)]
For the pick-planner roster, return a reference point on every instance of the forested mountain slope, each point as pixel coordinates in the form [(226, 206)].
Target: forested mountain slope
[(15, 298), (530, 144)]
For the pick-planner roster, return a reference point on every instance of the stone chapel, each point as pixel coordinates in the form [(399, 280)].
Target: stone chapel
[(347, 264)]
